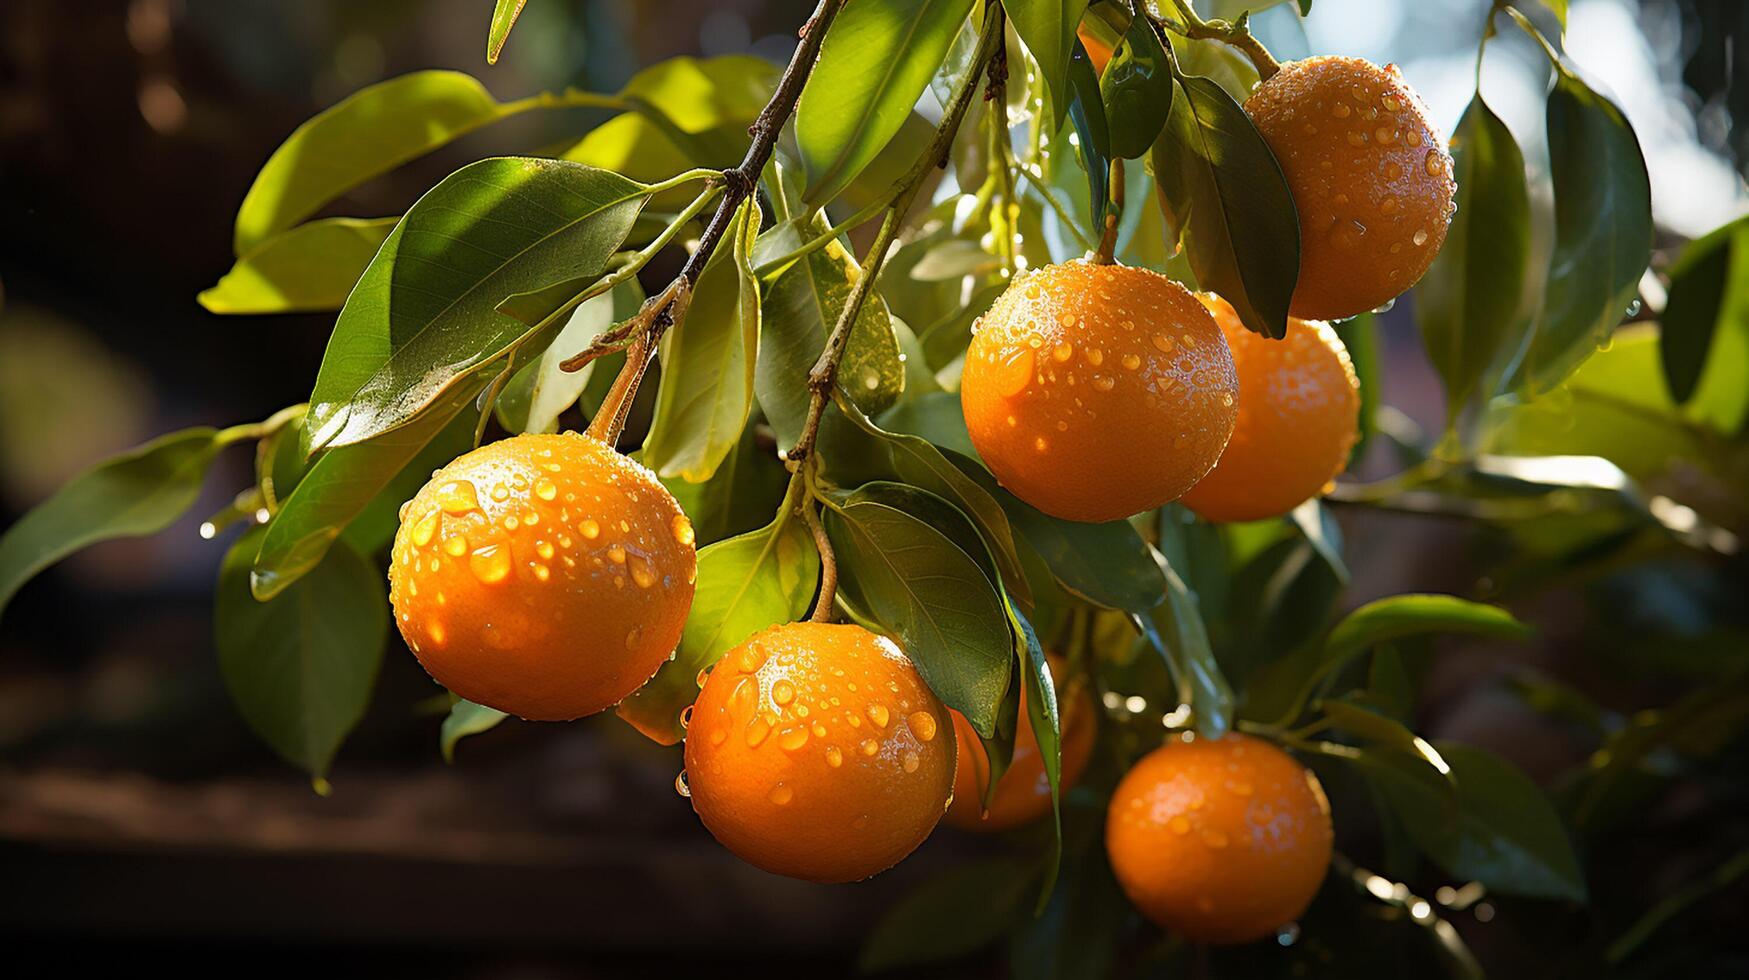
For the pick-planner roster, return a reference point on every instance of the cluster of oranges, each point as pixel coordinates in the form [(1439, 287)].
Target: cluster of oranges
[(550, 577)]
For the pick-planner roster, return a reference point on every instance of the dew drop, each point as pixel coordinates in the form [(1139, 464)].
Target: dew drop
[(1163, 342), (1062, 352), (922, 725), (1131, 362), (680, 785), (1357, 137), (1179, 824), (877, 713), (783, 692), (911, 761), (1013, 372), (1103, 382), (541, 572), (834, 756), (757, 730), (682, 530), (1434, 164), (870, 746), (456, 546), (589, 528), (781, 794), (1095, 356), (1340, 110), (500, 493), (719, 735), (1040, 444), (643, 572), (633, 636), (457, 497), (616, 554), (1420, 237), (792, 739), (686, 716), (490, 564), (1385, 135), (423, 531), (544, 489)]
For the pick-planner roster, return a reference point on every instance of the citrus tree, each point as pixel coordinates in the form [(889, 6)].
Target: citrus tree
[(980, 460)]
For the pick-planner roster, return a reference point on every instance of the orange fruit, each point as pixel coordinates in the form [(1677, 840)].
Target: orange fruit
[(1094, 392), (1023, 794), (1370, 176), (1098, 52), (1220, 841), (544, 575), (1299, 415), (816, 751)]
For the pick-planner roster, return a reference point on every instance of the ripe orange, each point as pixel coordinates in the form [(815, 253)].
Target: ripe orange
[(1370, 177), (1023, 794), (1094, 392), (816, 751), (544, 575), (1219, 840), (1299, 406)]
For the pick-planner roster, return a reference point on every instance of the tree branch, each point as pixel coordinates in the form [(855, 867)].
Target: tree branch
[(1235, 34)]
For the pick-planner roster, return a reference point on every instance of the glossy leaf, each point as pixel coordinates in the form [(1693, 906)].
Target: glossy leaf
[(1040, 697), (739, 497), (1227, 203), (1468, 303), (466, 718), (139, 492), (708, 362), (948, 916), (1390, 734), (802, 307), (358, 490), (364, 135), (504, 15), (301, 666), (424, 314), (1107, 564), (1087, 112), (307, 268), (540, 391), (1136, 90), (874, 64), (926, 592), (1709, 297), (1176, 632), (1047, 28), (1603, 231), (745, 584), (1504, 833)]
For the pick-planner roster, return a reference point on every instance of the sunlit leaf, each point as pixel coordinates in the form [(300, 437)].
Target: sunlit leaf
[(504, 15), (745, 584), (874, 64), (1175, 630), (301, 666), (310, 267), (1705, 325), (424, 317), (1136, 90), (1047, 28), (466, 718), (1093, 132), (739, 497), (708, 362), (139, 492), (540, 391)]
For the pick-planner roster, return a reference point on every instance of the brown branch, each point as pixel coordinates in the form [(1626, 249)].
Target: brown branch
[(739, 184)]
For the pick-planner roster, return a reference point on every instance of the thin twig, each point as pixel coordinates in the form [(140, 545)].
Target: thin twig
[(1113, 214), (1236, 34), (828, 564), (738, 184)]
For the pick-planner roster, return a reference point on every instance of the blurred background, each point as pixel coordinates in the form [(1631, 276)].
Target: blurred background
[(140, 819)]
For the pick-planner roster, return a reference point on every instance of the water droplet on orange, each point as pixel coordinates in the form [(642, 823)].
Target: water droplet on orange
[(922, 725), (834, 756), (544, 489), (456, 546), (792, 739), (783, 692), (911, 761), (870, 746), (425, 529), (1179, 824), (490, 564), (877, 713), (756, 732), (682, 530), (457, 497), (781, 794)]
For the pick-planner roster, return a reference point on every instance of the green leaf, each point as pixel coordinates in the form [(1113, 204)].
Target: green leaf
[(1047, 28), (803, 305), (1504, 833), (744, 584), (875, 62), (1708, 300), (950, 915), (1227, 203), (466, 718), (307, 268), (365, 135), (1603, 232), (1136, 90), (139, 492), (424, 314), (1559, 7), (1175, 630), (1042, 713), (533, 400), (708, 362), (918, 462), (1360, 335), (932, 597), (1087, 112), (301, 666), (739, 497), (504, 16), (1468, 303), (1107, 564), (358, 490), (1392, 735)]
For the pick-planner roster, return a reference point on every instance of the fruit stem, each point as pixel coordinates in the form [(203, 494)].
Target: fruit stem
[(823, 376), (739, 183), (1108, 238), (1236, 34), (828, 559)]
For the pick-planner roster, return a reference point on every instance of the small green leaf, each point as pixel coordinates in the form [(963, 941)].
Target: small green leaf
[(307, 268), (1136, 90), (803, 306), (1468, 303), (1603, 232), (1708, 298), (739, 497), (1226, 201), (466, 718), (1175, 630), (1040, 697), (301, 666), (139, 492), (1106, 564), (367, 134), (358, 490), (932, 597), (1504, 833), (1389, 734), (875, 62), (424, 316), (540, 391), (504, 16), (708, 362), (950, 915), (1360, 335), (745, 584), (1087, 112), (1047, 28)]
